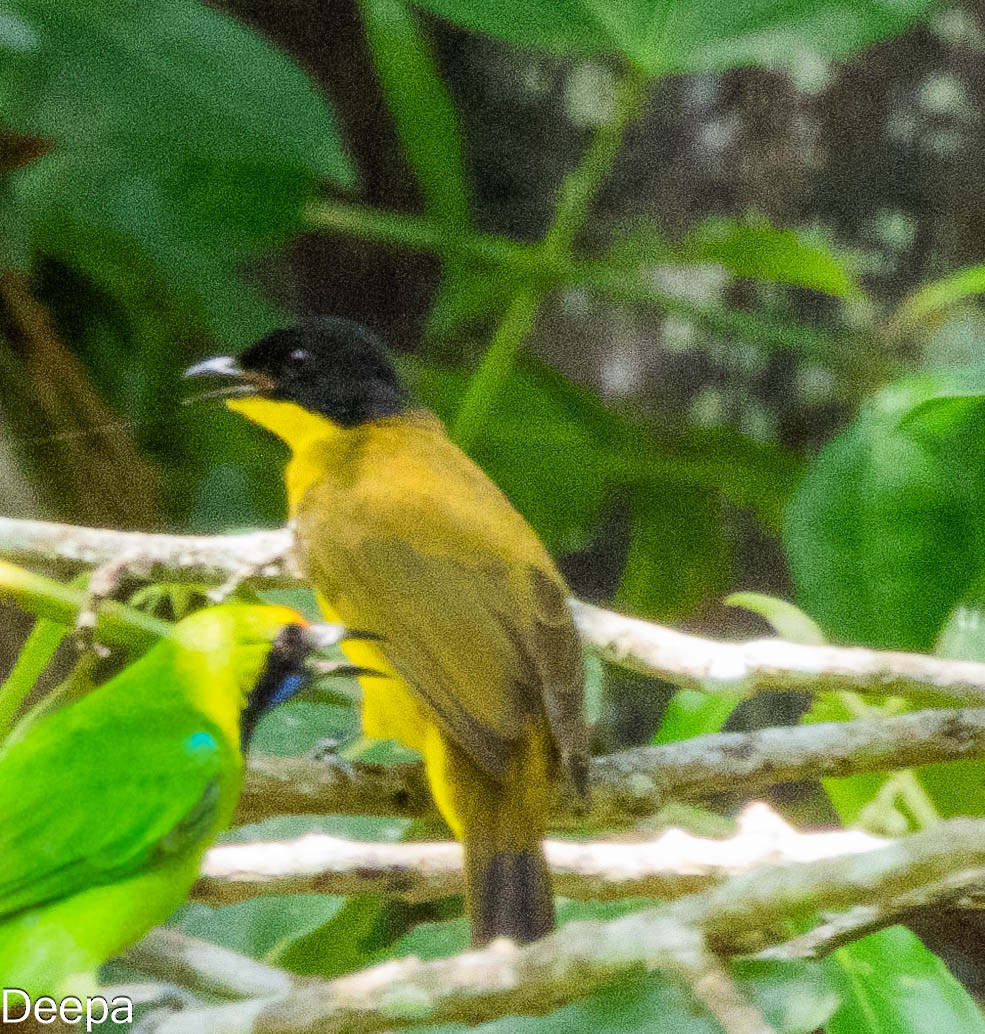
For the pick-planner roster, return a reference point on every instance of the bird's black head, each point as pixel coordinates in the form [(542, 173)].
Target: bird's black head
[(284, 674), (327, 365)]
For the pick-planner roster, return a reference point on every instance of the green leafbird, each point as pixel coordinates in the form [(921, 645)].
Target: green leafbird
[(107, 805)]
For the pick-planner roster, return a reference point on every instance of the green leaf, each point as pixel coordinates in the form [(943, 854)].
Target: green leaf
[(760, 251), (168, 78), (693, 713), (885, 531), (35, 655), (263, 927), (931, 299), (183, 143), (788, 620), (421, 106), (675, 36), (679, 556), (346, 941), (893, 985)]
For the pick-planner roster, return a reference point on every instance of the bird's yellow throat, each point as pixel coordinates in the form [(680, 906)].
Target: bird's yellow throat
[(299, 428)]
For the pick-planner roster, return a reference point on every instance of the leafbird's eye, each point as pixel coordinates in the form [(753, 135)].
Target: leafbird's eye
[(300, 354)]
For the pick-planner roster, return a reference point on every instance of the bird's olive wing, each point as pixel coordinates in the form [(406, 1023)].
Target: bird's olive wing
[(472, 627)]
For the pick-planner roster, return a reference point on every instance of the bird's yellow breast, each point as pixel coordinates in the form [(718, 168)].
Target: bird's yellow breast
[(390, 710)]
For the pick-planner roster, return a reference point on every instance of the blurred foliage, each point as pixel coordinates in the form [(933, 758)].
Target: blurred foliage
[(158, 159)]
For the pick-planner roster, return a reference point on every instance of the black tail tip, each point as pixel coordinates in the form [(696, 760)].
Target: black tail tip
[(512, 897)]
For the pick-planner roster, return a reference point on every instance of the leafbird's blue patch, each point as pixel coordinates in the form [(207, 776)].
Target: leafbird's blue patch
[(201, 742), (287, 689)]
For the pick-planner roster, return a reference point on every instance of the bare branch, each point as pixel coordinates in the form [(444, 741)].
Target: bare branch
[(630, 785), (844, 927), (206, 558), (765, 665), (747, 913), (175, 958), (303, 786), (692, 662), (668, 866)]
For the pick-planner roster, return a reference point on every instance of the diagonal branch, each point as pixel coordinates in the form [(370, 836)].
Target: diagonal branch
[(688, 661), (747, 913)]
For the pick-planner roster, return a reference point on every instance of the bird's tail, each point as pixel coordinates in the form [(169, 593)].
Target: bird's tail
[(501, 825), (508, 892)]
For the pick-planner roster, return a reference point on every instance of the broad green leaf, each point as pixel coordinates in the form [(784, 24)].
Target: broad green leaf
[(171, 78), (263, 927), (891, 984), (884, 532), (760, 251), (347, 941), (674, 36), (182, 143)]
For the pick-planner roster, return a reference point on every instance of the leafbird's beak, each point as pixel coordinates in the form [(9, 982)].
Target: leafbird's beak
[(343, 670)]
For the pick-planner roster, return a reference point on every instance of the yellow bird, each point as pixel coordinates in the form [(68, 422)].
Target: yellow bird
[(402, 535)]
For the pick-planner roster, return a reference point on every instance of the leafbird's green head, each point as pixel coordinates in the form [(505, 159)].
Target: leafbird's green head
[(247, 659)]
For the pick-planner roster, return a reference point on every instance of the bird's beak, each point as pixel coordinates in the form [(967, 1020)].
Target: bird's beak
[(243, 382), (217, 366)]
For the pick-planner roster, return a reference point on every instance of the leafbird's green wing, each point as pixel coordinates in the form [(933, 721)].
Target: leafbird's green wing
[(104, 790)]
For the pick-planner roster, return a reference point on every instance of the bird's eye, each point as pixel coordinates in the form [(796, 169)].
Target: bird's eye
[(300, 354)]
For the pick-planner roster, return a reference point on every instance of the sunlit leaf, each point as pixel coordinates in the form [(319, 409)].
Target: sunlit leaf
[(891, 984), (675, 36), (885, 531)]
